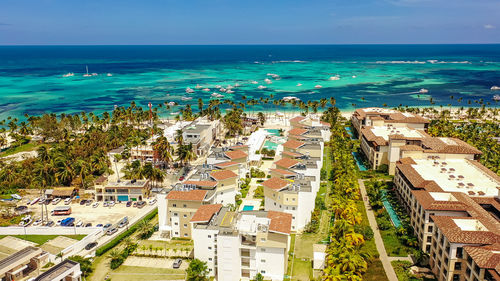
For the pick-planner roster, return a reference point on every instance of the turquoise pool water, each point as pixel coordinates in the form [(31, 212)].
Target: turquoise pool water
[(248, 208), (390, 210), (359, 162), (269, 145), (274, 132), (349, 131)]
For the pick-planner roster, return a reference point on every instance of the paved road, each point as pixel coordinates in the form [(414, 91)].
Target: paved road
[(386, 262)]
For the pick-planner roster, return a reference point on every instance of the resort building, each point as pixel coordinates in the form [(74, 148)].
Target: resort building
[(202, 133), (123, 190), (224, 183), (237, 246), (375, 116), (483, 263), (385, 145), (310, 147), (22, 264), (294, 197), (309, 167), (435, 175), (67, 270), (452, 235), (229, 154), (176, 209)]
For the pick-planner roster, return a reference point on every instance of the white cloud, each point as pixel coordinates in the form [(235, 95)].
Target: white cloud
[(489, 26)]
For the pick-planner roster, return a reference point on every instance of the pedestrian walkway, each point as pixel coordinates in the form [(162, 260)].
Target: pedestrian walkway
[(386, 261)]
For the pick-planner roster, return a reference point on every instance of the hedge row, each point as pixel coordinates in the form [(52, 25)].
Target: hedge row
[(128, 232)]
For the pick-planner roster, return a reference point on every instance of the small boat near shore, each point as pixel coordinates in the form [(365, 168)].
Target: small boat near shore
[(206, 90), (299, 84), (495, 88), (69, 74), (87, 72), (186, 98), (334, 78), (423, 91), (290, 98), (318, 86), (496, 97), (261, 87), (189, 90)]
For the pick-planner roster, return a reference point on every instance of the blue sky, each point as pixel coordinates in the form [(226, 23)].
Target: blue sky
[(248, 22)]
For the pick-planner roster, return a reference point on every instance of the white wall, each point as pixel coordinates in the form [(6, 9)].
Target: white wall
[(202, 241), (161, 200), (228, 258), (273, 264), (226, 197)]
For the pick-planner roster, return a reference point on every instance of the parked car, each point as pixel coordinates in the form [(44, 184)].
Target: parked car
[(111, 203), (56, 201), (88, 224), (141, 204), (58, 223), (123, 222), (99, 225), (111, 231), (79, 223), (37, 222), (34, 201), (106, 226), (47, 201), (177, 263), (129, 203), (152, 202), (105, 204), (89, 202), (83, 202), (95, 205), (67, 201), (50, 223), (135, 204), (181, 178), (41, 201), (90, 245)]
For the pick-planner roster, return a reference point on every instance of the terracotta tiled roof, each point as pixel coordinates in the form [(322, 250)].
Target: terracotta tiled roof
[(202, 183), (239, 146), (293, 144), (191, 195), (390, 117), (325, 123), (411, 147), (448, 145), (427, 202), (286, 162), (226, 164), (487, 257), (371, 137), (236, 154), (297, 119), (275, 183), (280, 222), (205, 213), (283, 172), (223, 175), (297, 131), (455, 234), (292, 154)]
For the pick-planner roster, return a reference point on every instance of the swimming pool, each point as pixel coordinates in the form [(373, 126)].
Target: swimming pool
[(394, 217), (247, 208), (349, 131), (274, 132), (359, 162), (269, 145)]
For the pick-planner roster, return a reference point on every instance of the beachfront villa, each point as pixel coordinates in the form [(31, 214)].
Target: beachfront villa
[(237, 246), (123, 190)]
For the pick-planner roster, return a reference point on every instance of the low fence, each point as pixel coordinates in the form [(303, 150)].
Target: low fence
[(44, 230), (80, 245)]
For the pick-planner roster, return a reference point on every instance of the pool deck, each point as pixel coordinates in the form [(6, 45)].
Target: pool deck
[(250, 202)]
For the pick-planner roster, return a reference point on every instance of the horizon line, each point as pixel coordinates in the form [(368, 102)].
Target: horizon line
[(250, 44)]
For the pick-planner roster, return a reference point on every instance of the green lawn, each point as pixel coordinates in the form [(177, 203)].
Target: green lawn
[(302, 270), (22, 148), (136, 273), (393, 245), (42, 239)]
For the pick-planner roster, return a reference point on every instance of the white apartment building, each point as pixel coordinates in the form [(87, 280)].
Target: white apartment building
[(237, 246)]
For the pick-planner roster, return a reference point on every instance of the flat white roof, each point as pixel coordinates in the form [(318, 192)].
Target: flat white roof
[(386, 131), (249, 223), (457, 175), (470, 225), (379, 110), (442, 196)]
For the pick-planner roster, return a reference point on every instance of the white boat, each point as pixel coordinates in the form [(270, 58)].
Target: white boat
[(299, 84), (354, 76), (496, 97), (229, 87), (495, 88), (318, 86), (109, 74), (230, 91), (69, 74), (87, 73), (186, 98), (222, 89), (268, 81), (94, 74), (206, 90), (275, 76), (290, 98), (189, 90), (174, 113), (172, 103), (214, 94), (198, 86), (236, 84), (261, 87), (254, 82), (423, 91), (334, 78), (218, 86), (219, 96)]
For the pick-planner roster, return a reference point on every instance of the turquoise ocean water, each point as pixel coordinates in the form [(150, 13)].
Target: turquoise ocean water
[(32, 82)]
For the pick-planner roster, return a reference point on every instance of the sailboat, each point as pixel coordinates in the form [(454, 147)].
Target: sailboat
[(87, 74)]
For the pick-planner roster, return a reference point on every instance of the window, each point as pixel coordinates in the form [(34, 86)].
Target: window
[(429, 228), (185, 225), (262, 260), (263, 271), (458, 266), (293, 208), (429, 239), (263, 250), (175, 214), (176, 223), (174, 205), (184, 205), (185, 234), (210, 248), (460, 252), (456, 277), (263, 239), (185, 216), (209, 259), (209, 236)]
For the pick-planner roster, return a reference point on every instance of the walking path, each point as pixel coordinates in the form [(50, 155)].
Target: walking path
[(386, 261)]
